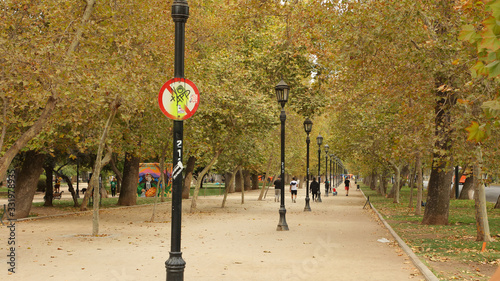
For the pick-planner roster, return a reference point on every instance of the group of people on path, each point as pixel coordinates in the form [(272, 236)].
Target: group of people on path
[(315, 188)]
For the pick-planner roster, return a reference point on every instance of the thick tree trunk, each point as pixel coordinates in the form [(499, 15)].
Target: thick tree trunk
[(255, 181), (26, 182), (247, 181), (128, 195), (467, 188), (189, 177), (373, 180), (438, 195), (230, 187), (238, 183), (49, 189)]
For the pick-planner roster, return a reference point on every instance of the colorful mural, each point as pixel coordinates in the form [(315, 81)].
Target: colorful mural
[(149, 176)]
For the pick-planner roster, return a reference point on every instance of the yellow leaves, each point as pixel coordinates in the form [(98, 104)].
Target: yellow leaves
[(476, 133), (466, 102)]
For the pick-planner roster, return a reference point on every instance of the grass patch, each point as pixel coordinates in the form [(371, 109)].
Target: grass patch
[(440, 244)]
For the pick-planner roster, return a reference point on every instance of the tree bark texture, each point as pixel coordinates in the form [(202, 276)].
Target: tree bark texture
[(467, 188), (228, 184), (33, 131), (438, 195), (201, 176), (242, 178), (49, 189), (482, 225), (26, 182), (418, 168), (255, 181), (189, 177), (128, 194)]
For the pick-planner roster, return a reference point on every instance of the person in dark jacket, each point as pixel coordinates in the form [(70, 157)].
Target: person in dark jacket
[(277, 189), (314, 189)]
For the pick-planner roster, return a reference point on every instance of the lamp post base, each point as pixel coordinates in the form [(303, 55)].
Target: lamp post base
[(319, 197), (175, 267), (307, 208), (282, 226)]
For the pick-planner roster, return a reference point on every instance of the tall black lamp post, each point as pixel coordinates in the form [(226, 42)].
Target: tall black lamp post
[(331, 172), (307, 127), (319, 140), (282, 91), (327, 147), (175, 264)]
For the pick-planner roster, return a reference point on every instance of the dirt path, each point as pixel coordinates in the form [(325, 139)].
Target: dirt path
[(336, 241)]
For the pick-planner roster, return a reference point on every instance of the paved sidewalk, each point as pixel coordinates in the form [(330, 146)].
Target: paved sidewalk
[(337, 240)]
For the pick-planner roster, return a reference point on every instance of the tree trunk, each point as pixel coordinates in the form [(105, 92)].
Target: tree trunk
[(32, 132), (230, 187), (412, 183), (242, 178), (373, 180), (70, 188), (200, 176), (26, 182), (189, 177), (118, 174), (255, 181), (497, 205), (420, 182), (482, 225), (107, 158), (128, 195), (247, 181), (265, 178), (467, 188), (229, 184), (238, 183), (49, 189), (397, 182), (438, 195)]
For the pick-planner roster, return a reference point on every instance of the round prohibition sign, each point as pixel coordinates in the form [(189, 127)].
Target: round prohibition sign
[(179, 98)]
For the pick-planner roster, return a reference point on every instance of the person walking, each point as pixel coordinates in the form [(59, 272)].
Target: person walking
[(277, 189), (347, 183), (314, 189), (293, 189), (113, 187), (327, 187)]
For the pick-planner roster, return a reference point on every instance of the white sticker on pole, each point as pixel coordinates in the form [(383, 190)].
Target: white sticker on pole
[(177, 170)]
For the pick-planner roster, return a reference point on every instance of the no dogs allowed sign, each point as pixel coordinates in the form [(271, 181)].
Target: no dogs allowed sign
[(179, 98)]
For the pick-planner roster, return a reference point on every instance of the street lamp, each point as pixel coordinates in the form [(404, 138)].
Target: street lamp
[(307, 127), (319, 140), (331, 172), (175, 264), (327, 147), (282, 91)]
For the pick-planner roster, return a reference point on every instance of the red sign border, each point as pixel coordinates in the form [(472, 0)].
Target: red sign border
[(166, 86)]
